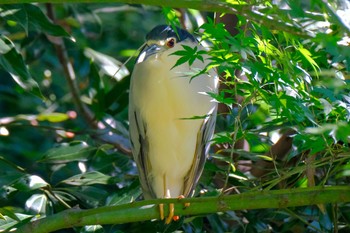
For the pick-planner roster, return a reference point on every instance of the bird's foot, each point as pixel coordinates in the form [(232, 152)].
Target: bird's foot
[(171, 213), (171, 216), (187, 204), (161, 211)]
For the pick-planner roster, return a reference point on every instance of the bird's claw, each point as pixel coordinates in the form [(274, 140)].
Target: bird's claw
[(171, 217), (171, 213)]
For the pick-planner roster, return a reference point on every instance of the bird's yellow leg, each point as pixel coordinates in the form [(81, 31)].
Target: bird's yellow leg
[(187, 204), (171, 213), (161, 206), (171, 205), (161, 211)]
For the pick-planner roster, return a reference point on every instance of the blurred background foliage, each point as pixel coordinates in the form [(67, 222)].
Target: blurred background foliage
[(283, 120)]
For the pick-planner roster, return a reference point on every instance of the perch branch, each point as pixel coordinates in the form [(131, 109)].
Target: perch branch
[(147, 210)]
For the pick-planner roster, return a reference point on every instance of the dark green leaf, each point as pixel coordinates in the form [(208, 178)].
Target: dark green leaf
[(90, 178), (8, 211), (109, 65), (13, 63), (31, 17), (126, 195), (78, 151), (189, 55), (88, 196)]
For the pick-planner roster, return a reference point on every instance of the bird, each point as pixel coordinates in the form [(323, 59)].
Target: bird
[(171, 115)]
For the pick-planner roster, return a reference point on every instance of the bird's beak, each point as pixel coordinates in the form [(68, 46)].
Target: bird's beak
[(147, 51)]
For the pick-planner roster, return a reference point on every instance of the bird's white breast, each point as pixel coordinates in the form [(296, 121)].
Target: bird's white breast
[(165, 97)]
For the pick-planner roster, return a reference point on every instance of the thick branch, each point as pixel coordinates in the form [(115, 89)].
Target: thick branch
[(147, 210)]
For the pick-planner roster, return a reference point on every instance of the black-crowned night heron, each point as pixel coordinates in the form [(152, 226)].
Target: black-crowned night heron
[(169, 148)]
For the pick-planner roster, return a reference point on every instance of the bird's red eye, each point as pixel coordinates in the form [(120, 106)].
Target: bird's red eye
[(170, 43)]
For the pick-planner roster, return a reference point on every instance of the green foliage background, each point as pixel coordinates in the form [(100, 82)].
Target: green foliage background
[(63, 110)]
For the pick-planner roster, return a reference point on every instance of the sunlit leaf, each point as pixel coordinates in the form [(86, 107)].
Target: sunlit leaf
[(109, 65), (29, 182), (171, 16), (265, 157), (92, 228), (307, 55), (37, 203), (4, 48), (52, 117)]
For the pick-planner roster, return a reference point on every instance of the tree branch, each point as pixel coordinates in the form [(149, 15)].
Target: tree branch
[(70, 76), (220, 6), (69, 73), (147, 210)]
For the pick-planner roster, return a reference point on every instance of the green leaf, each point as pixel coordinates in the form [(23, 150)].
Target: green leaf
[(4, 48), (308, 56), (88, 195), (327, 107), (109, 65), (77, 151), (29, 182), (171, 17), (343, 131), (86, 20), (13, 63), (181, 61), (8, 211), (90, 178), (97, 92), (92, 228), (8, 223), (30, 17), (52, 117), (37, 204), (126, 195), (265, 157), (189, 55), (117, 98)]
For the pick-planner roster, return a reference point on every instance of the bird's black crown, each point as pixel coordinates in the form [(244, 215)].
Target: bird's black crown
[(162, 32)]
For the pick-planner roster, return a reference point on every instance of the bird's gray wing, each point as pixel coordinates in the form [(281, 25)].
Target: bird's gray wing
[(202, 147), (140, 148)]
